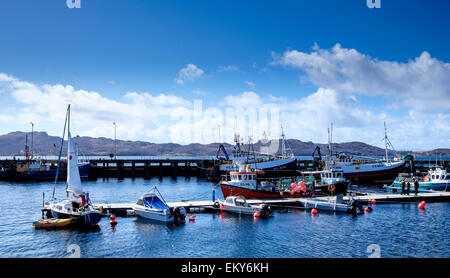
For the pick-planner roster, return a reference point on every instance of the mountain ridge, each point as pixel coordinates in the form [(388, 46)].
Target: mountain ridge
[(13, 143)]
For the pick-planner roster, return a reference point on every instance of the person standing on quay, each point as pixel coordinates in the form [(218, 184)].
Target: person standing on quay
[(408, 187), (416, 187), (403, 187)]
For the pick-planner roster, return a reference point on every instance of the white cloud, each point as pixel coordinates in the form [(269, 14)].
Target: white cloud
[(228, 68), (170, 118), (246, 99), (421, 84), (250, 84), (189, 73)]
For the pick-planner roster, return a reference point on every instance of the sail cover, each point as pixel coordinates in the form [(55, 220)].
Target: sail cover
[(73, 173)]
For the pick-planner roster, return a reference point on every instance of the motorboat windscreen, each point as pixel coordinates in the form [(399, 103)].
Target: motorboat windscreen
[(154, 202)]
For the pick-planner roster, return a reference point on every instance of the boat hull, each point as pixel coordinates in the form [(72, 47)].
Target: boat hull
[(230, 190), (371, 176), (46, 175), (155, 215), (52, 223), (423, 187), (339, 188), (90, 217), (238, 210), (323, 205)]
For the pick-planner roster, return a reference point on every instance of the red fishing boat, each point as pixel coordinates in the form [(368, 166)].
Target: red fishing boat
[(246, 183)]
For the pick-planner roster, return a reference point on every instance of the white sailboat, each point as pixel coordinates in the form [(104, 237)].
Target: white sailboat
[(83, 211)]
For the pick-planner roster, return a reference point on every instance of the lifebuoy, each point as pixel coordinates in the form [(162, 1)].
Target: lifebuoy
[(331, 187)]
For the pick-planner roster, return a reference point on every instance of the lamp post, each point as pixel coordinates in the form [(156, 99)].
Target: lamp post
[(115, 146), (219, 134), (32, 130)]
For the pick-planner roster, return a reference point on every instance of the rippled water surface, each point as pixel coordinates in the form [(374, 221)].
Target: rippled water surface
[(400, 230)]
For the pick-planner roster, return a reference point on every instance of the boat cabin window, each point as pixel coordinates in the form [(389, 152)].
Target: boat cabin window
[(229, 201), (245, 177), (140, 202), (448, 177)]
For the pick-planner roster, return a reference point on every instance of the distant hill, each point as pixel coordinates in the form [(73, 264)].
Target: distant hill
[(43, 144)]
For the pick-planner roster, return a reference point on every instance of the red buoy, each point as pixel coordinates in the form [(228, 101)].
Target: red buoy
[(191, 218), (314, 211), (113, 220), (256, 214), (281, 193), (368, 209), (293, 185), (422, 205), (222, 207), (373, 202)]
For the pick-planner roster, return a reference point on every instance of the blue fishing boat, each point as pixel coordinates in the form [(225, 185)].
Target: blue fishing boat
[(35, 169), (39, 170), (436, 180)]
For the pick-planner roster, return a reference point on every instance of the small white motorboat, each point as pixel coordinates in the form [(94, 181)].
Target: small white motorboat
[(338, 205), (151, 206), (238, 204)]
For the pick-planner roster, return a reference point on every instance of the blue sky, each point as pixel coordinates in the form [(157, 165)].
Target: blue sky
[(116, 47)]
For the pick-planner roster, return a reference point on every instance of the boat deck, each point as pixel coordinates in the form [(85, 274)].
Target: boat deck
[(126, 209)]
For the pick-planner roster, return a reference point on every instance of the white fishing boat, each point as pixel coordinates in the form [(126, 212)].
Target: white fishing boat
[(283, 164), (153, 207), (364, 169), (238, 204), (82, 212)]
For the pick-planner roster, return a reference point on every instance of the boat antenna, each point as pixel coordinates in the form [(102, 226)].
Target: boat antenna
[(60, 151), (387, 143), (283, 145)]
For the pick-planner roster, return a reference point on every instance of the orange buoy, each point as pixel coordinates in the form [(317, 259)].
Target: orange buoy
[(256, 214), (368, 209), (191, 218), (314, 211), (422, 205)]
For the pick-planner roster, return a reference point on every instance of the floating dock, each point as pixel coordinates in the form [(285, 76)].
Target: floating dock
[(126, 209)]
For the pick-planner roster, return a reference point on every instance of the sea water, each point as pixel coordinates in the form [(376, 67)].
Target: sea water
[(391, 230)]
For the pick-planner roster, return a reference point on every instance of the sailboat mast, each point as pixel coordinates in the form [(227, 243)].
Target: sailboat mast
[(68, 132), (331, 139), (59, 156), (386, 141), (283, 144)]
